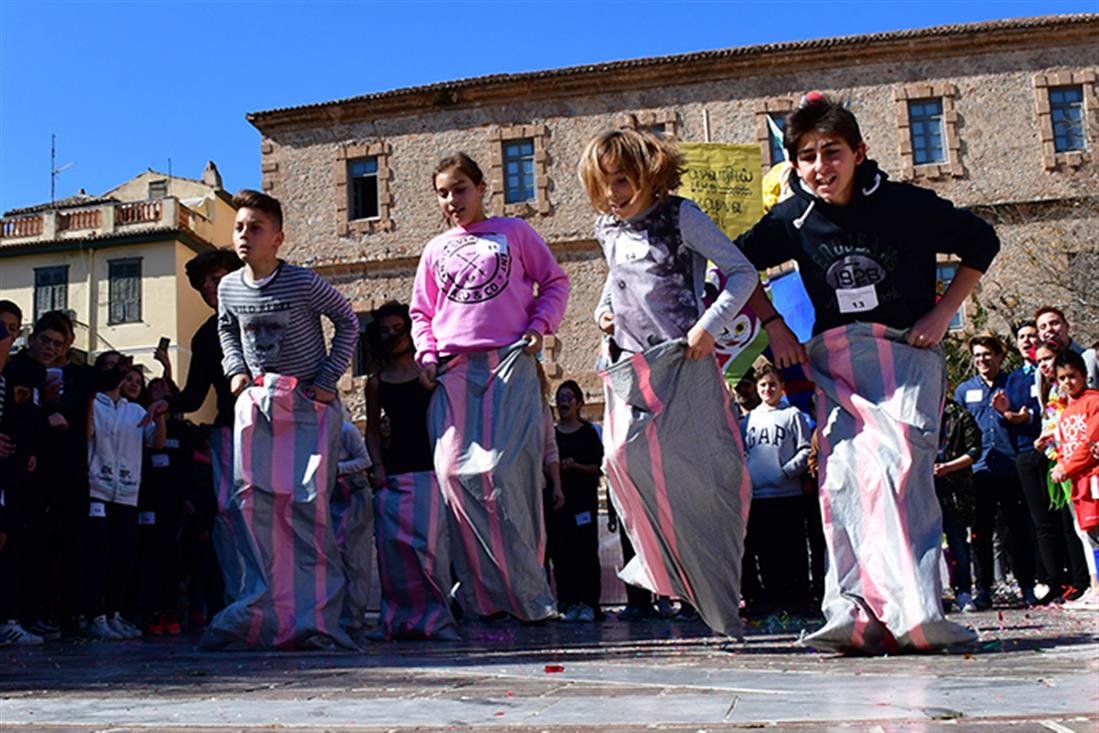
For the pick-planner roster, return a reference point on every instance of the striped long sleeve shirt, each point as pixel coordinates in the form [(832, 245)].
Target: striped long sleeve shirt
[(274, 326)]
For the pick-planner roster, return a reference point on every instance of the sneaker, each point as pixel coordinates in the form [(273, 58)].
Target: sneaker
[(12, 634), (122, 627), (98, 628), (1029, 598), (1072, 593), (664, 608), (48, 631), (171, 624), (965, 603), (687, 612), (1089, 601), (983, 600), (633, 613), (584, 613), (572, 613), (155, 627)]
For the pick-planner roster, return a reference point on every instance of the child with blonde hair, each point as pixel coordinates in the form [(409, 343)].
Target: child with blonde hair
[(682, 489)]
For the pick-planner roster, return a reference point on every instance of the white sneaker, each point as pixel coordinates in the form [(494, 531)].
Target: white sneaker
[(585, 613), (98, 628), (1087, 602), (965, 603), (12, 634), (122, 627)]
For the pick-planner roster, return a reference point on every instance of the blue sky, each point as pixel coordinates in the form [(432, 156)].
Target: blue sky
[(129, 85)]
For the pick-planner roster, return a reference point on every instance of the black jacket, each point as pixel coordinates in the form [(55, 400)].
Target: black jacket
[(205, 372), (873, 260)]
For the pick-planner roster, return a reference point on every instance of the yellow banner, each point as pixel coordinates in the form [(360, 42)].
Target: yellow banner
[(724, 180)]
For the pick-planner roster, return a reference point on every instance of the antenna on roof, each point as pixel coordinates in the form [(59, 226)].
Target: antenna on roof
[(54, 170), (169, 176)]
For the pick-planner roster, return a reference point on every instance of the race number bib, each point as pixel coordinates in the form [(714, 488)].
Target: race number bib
[(97, 509), (583, 518), (630, 247), (974, 395), (857, 300)]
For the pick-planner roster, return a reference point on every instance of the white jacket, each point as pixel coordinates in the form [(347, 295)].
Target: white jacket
[(115, 450)]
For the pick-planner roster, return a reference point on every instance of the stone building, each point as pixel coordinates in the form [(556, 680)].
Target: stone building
[(999, 116)]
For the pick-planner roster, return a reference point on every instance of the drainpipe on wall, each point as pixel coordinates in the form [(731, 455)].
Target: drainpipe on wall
[(93, 307)]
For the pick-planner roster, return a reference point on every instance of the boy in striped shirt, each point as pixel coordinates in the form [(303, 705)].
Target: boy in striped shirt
[(269, 312)]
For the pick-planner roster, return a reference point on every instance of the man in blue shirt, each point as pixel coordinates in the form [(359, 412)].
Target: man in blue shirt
[(995, 478), (1061, 564)]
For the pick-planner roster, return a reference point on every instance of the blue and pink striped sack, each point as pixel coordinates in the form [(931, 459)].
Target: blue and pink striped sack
[(675, 464), (292, 588), (879, 402), (485, 420), (410, 530), (224, 535), (353, 525)]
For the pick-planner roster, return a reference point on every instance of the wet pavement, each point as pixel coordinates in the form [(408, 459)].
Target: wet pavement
[(1033, 670)]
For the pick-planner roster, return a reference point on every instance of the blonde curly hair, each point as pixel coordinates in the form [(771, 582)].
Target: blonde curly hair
[(651, 163)]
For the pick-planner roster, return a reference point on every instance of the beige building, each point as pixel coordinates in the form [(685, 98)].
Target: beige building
[(116, 263), (999, 116)]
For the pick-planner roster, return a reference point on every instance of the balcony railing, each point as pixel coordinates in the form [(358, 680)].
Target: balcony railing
[(138, 212), (20, 227), (79, 219), (105, 219)]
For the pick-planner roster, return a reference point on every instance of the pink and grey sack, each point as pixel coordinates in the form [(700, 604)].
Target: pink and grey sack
[(879, 402), (286, 448), (485, 420), (353, 525), (675, 464), (224, 535), (410, 529)]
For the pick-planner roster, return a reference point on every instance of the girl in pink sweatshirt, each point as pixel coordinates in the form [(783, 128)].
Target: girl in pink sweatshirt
[(474, 314), (474, 288)]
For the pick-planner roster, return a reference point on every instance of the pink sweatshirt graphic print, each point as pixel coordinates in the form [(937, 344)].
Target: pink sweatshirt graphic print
[(474, 289)]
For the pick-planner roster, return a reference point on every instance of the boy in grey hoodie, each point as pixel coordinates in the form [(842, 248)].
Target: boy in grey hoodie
[(777, 440)]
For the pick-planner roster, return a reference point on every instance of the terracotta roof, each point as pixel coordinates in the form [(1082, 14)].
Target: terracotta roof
[(943, 31), (71, 202)]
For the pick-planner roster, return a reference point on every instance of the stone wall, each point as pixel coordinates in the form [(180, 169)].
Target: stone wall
[(998, 166)]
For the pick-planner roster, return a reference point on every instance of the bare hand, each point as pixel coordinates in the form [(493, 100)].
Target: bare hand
[(606, 323), (7, 447), (928, 331), (428, 374), (1000, 402), (699, 342), (1058, 474), (534, 341), (567, 464), (320, 394), (558, 498), (32, 463), (377, 475), (785, 346), (238, 383), (161, 355), (156, 409), (57, 421), (940, 470)]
